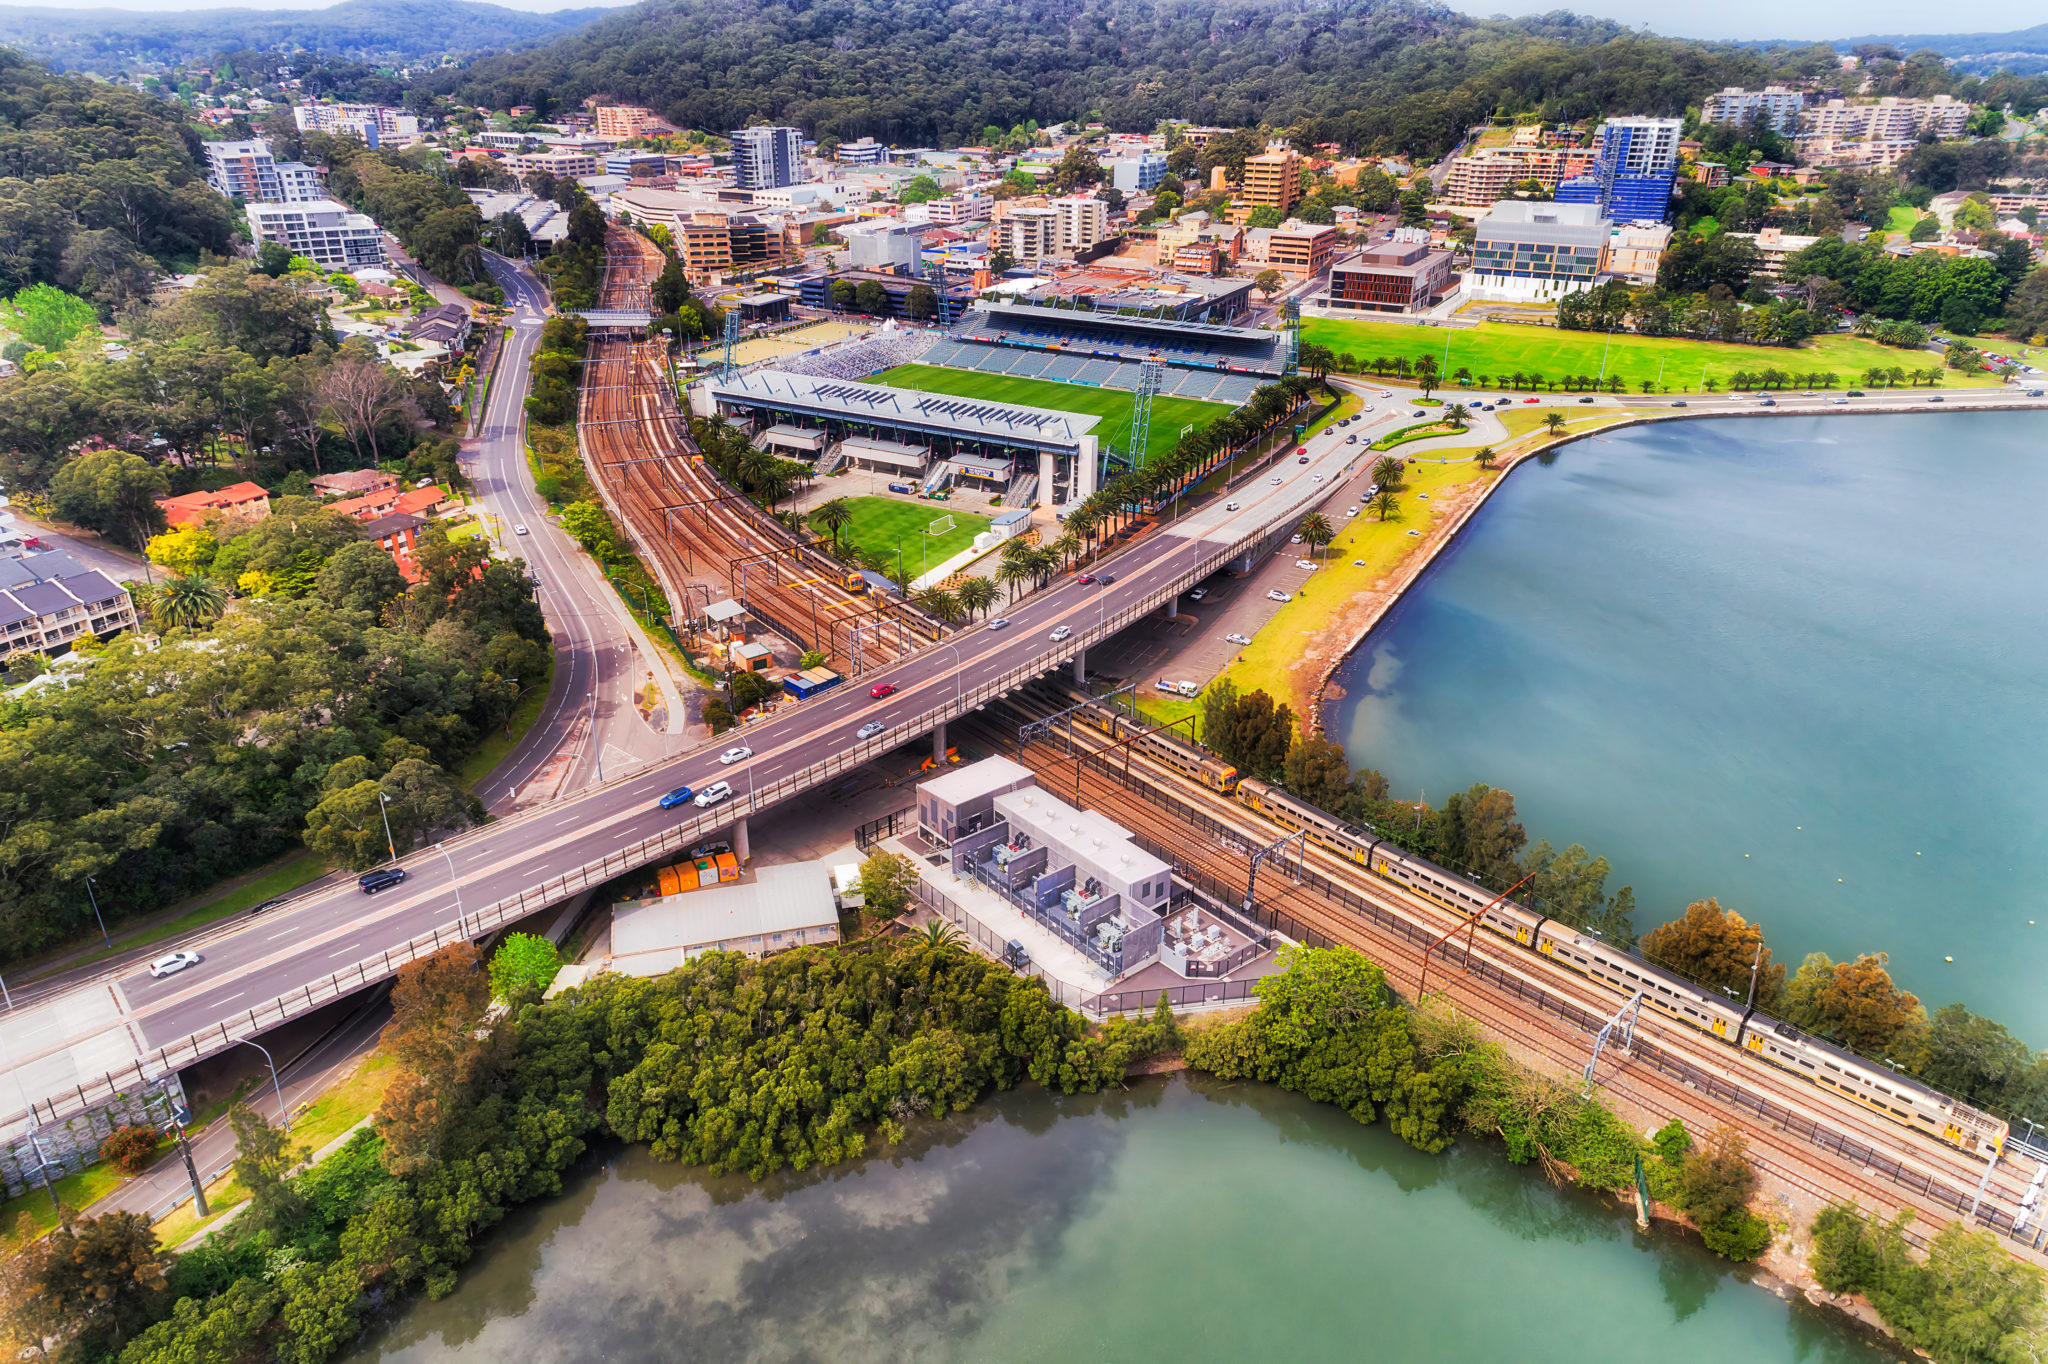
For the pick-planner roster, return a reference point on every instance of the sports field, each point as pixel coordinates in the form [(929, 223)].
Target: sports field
[(792, 342), (877, 521), (1113, 405), (1502, 348)]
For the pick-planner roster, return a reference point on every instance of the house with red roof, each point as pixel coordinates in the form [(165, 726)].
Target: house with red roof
[(237, 499)]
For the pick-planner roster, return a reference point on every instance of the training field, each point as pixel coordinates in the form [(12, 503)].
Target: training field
[(791, 342), (1498, 348), (1113, 405), (877, 521)]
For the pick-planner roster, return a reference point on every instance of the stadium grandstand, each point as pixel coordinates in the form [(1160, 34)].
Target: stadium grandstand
[(1202, 359), (857, 359)]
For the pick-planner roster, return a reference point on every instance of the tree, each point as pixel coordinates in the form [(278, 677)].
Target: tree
[(1485, 457), (1553, 422), (46, 317), (130, 1149), (364, 393), (1264, 216), (1077, 170), (834, 516), (1386, 503), (187, 603), (1481, 834), (1269, 282), (360, 577), (888, 882), (1318, 771), (1855, 1001), (445, 1057), (113, 492), (1717, 948), (523, 967), (977, 594), (1387, 472), (1316, 532), (871, 298), (264, 1157), (86, 1287), (921, 189), (922, 303), (1715, 1185), (1251, 732)]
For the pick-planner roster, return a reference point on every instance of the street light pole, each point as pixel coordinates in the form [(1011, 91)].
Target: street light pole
[(283, 1114), (96, 912), (454, 881), (383, 808)]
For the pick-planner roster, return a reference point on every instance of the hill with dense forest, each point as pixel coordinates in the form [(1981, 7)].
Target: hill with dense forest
[(101, 39), (1397, 74)]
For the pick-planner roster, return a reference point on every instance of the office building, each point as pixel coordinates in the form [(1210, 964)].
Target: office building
[(1083, 221), (1299, 248), (885, 245), (636, 165), (1635, 162), (247, 171), (50, 601), (1138, 174), (964, 207), (865, 152), (1273, 179), (327, 233), (1525, 250), (1401, 275), (767, 158), (623, 121), (1775, 107), (1634, 250)]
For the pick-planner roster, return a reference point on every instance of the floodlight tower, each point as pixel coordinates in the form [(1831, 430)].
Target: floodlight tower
[(1290, 317), (1151, 378), (732, 338)]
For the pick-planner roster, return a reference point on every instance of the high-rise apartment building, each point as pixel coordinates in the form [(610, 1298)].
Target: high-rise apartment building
[(767, 158), (1775, 107), (1635, 162), (320, 230), (1138, 174), (1273, 178), (248, 171), (1030, 234), (626, 120), (376, 124), (1083, 221), (1889, 118)]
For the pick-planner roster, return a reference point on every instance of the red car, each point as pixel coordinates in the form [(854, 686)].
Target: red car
[(881, 690), (1084, 577), (1532, 400)]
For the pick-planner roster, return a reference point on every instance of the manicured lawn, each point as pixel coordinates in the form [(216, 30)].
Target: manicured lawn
[(1113, 405), (1903, 216), (1502, 348), (878, 521)]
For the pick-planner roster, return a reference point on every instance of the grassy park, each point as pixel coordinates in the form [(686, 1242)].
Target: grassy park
[(878, 521), (1113, 405), (1497, 348)]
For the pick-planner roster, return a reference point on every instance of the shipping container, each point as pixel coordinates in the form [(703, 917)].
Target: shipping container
[(728, 867), (670, 883)]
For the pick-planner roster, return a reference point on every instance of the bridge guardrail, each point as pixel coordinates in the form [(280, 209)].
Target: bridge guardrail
[(467, 926)]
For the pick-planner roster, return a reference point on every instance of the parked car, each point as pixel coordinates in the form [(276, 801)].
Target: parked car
[(1305, 563), (1198, 594), (381, 879), (1238, 639), (1295, 541), (1350, 511), (880, 690), (868, 730), (1277, 595), (737, 753), (680, 796), (1061, 632), (172, 962), (713, 794)]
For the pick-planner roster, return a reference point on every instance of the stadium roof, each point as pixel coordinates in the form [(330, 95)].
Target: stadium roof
[(906, 409), (1214, 331)]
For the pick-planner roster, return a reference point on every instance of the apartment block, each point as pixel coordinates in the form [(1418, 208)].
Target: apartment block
[(767, 158), (321, 230), (1635, 163), (1775, 107), (249, 172), (1273, 178), (1891, 117), (376, 124), (1634, 250), (49, 602), (627, 120), (1490, 175), (1029, 234), (1138, 174), (556, 161), (1299, 248), (1083, 221)]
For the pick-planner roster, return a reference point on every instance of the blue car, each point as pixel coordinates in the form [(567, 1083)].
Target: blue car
[(680, 796)]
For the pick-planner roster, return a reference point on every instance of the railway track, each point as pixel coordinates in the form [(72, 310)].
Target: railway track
[(704, 538), (1553, 1040)]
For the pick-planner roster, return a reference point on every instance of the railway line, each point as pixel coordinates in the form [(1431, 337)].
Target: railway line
[(1937, 1183), (698, 530)]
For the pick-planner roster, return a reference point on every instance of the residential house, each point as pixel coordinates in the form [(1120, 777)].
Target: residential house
[(353, 481), (237, 499), (49, 601)]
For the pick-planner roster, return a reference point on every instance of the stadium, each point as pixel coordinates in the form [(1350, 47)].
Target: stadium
[(1030, 404)]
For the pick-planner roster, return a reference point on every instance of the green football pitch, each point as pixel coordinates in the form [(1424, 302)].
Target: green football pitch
[(878, 521), (1113, 405)]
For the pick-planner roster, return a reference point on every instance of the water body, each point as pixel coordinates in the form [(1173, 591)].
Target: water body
[(1797, 664), (1182, 1220)]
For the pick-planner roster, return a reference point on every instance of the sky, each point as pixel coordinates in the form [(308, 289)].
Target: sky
[(1810, 20)]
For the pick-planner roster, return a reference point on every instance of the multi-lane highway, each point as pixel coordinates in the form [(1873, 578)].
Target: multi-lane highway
[(69, 1042)]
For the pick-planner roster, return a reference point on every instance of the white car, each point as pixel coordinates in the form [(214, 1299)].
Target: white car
[(1274, 480), (737, 753), (1232, 506), (713, 794), (1318, 478), (1238, 639), (1277, 595), (999, 623), (868, 730), (1308, 564), (1295, 541), (1350, 511), (519, 530), (1358, 563), (1368, 407), (171, 964), (1061, 632)]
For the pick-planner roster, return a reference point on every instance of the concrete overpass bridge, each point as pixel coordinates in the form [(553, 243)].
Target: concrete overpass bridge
[(75, 1050)]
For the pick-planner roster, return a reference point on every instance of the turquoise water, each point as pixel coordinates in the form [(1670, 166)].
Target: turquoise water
[(1182, 1220), (1797, 664)]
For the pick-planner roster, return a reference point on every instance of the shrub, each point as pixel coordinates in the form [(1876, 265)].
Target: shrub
[(130, 1149)]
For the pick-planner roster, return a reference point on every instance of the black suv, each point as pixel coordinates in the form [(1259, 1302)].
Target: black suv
[(381, 879)]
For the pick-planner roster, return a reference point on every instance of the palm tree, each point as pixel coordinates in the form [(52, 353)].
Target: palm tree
[(939, 602), (834, 517), (1011, 572), (1554, 422), (188, 602), (941, 937), (977, 595), (1066, 548), (1385, 503), (1386, 471), (1316, 532), (1485, 456), (1457, 414)]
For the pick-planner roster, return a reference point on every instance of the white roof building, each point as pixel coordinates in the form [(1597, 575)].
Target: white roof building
[(783, 907)]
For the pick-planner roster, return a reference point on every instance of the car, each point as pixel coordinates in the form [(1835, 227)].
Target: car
[(1368, 407), (1351, 511), (1418, 412), (1105, 580), (880, 690), (172, 962), (1351, 439), (1302, 450), (1302, 460), (2034, 392), (714, 793), (711, 848), (1198, 594), (1061, 632), (680, 796), (1233, 506), (1768, 402), (1277, 595), (1084, 577), (736, 754), (267, 905), (1532, 400), (1807, 394), (519, 530), (1317, 478), (381, 879), (1305, 563), (1358, 563), (1274, 480), (1679, 403), (1386, 393), (1937, 398), (999, 623), (1856, 393), (868, 730), (1585, 400), (1295, 541), (1238, 639), (1839, 402)]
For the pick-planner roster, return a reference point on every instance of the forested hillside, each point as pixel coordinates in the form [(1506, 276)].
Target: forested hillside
[(1396, 73), (97, 182)]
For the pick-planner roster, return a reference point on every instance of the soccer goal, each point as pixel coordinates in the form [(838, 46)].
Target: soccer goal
[(940, 525)]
